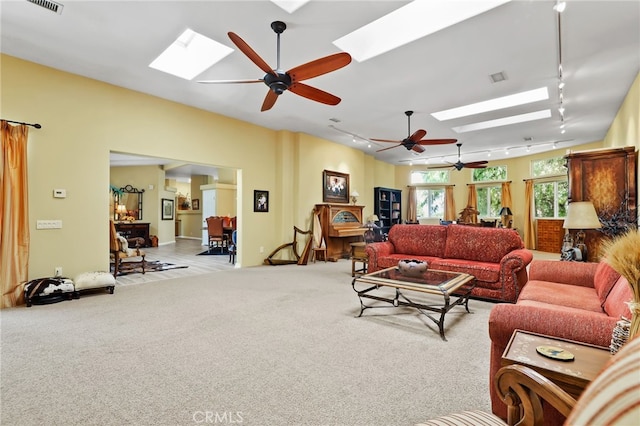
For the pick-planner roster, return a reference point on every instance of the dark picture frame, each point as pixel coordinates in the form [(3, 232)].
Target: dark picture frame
[(260, 201), (195, 204), (166, 209), (335, 187)]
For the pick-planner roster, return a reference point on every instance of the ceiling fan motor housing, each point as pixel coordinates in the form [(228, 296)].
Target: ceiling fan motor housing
[(278, 83)]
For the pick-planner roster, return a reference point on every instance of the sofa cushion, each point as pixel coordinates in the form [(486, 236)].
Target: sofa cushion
[(562, 295), (615, 305), (483, 271), (604, 280), (418, 240), (481, 244)]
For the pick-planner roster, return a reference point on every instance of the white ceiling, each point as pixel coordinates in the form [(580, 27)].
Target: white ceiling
[(115, 42)]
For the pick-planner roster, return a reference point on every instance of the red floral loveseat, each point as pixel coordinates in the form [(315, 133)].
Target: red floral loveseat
[(580, 301), (495, 256)]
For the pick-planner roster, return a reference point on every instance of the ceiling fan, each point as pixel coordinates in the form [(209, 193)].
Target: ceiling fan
[(460, 165), (279, 81), (414, 141)]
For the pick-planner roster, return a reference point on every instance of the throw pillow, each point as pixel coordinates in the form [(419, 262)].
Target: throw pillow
[(604, 280)]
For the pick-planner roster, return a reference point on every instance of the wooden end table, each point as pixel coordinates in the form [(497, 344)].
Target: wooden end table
[(358, 254), (572, 376)]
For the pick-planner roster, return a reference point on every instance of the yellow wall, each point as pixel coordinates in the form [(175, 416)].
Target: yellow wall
[(83, 120)]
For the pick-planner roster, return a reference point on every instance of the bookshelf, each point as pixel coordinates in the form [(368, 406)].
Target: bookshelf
[(388, 207)]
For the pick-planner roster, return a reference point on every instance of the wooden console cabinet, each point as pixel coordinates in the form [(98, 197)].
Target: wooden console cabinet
[(607, 178), (133, 230)]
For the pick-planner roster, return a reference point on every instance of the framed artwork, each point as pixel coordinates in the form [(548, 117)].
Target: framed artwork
[(260, 201), (335, 187), (167, 209), (195, 204)]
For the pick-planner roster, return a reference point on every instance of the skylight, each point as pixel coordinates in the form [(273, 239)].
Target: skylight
[(408, 23), (189, 55), (494, 104), (289, 5), (514, 119)]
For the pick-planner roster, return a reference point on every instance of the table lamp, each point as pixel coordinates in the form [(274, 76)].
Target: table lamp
[(354, 197), (506, 215), (581, 215), (121, 211)]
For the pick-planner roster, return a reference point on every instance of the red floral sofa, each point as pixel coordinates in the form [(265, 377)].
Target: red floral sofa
[(571, 300), (495, 256)]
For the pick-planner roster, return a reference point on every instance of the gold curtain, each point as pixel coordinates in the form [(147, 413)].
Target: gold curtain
[(14, 214), (472, 201), (506, 195), (529, 230), (449, 204), (412, 208)]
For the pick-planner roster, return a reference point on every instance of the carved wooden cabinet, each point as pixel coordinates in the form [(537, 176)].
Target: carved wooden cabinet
[(134, 230), (607, 178)]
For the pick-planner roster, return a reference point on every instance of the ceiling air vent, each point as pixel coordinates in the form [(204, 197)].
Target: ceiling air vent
[(49, 5), (498, 77)]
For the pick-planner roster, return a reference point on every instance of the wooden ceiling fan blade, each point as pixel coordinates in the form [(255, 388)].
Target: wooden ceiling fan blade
[(417, 135), (385, 140), (476, 165), (314, 94), (417, 148), (319, 66), (269, 100), (436, 141), (230, 81), (442, 167), (391, 147), (250, 53)]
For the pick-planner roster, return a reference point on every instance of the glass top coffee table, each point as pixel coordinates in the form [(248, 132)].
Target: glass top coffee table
[(443, 285)]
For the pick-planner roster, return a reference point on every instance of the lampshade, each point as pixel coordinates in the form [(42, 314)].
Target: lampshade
[(355, 194), (506, 211), (121, 209), (373, 218), (581, 215)]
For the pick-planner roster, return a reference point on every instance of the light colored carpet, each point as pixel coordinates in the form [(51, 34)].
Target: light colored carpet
[(269, 345)]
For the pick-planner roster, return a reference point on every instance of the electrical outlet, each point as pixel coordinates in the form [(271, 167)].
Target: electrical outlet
[(58, 271)]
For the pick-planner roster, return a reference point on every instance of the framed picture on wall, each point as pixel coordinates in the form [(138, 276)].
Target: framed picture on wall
[(195, 204), (167, 209), (335, 187), (260, 201)]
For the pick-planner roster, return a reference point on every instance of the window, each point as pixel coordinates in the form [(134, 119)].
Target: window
[(489, 196), (489, 200), (430, 203), (550, 196), (430, 200)]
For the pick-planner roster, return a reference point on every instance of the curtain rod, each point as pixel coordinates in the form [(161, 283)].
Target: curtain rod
[(36, 125)]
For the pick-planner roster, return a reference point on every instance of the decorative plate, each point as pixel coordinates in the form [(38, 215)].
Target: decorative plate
[(554, 352)]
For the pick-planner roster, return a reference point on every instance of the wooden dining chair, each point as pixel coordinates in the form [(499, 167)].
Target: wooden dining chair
[(217, 237)]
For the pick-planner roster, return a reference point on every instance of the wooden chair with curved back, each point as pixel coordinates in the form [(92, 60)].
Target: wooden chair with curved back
[(119, 250)]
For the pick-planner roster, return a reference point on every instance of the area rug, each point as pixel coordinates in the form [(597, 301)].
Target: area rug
[(215, 252), (151, 266)]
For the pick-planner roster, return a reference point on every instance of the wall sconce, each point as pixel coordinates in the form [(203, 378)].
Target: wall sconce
[(507, 217), (121, 211), (354, 197), (581, 215)]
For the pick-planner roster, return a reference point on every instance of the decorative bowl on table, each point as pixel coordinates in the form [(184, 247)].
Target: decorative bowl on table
[(412, 267)]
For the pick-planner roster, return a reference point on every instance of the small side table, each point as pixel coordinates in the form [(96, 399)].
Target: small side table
[(572, 376), (358, 254)]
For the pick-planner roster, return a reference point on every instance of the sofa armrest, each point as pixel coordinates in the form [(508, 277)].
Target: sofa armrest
[(572, 324), (513, 267), (375, 251), (580, 273)]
